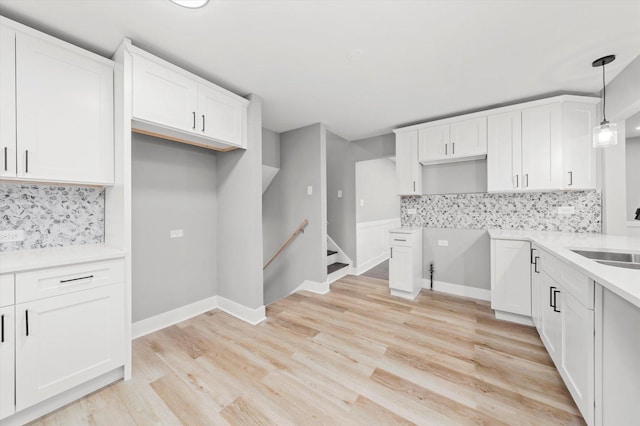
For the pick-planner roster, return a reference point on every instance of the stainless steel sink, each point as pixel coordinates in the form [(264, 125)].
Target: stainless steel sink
[(628, 265), (612, 258)]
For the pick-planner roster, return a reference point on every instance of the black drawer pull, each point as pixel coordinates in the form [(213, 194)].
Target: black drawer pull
[(2, 327), (535, 264), (398, 239), (26, 317), (76, 279), (551, 296), (555, 301)]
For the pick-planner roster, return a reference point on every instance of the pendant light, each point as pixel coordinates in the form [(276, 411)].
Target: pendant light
[(191, 4), (606, 133)]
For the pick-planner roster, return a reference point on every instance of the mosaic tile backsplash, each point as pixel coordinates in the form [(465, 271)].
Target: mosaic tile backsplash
[(51, 216), (522, 211)]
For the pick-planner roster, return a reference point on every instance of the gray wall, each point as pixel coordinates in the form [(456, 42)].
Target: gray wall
[(341, 174), (455, 178), (240, 217), (174, 187), (286, 204), (633, 176), (270, 148), (376, 188), (465, 261)]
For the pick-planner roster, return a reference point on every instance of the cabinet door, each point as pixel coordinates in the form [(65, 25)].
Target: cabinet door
[(504, 152), (511, 277), (468, 137), (408, 169), (221, 116), (64, 341), (577, 151), (550, 319), (164, 96), (578, 347), (542, 147), (401, 268), (434, 143), (7, 102), (7, 353), (64, 114)]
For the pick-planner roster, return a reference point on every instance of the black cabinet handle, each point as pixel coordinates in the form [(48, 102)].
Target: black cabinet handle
[(202, 122), (26, 161), (2, 331), (535, 265), (26, 317), (445, 148), (555, 300), (398, 239), (551, 296), (532, 251), (414, 186), (392, 252), (76, 279), (6, 158), (453, 148), (570, 178), (517, 181), (194, 120), (527, 179)]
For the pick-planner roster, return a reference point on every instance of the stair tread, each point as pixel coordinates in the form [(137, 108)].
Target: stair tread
[(335, 267), (331, 252)]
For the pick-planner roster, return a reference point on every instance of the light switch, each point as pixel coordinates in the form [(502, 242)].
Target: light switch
[(443, 243), (339, 193), (309, 190), (361, 203), (566, 210), (176, 233), (11, 235)]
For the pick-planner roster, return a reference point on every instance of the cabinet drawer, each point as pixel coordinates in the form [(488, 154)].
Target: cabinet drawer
[(6, 290), (67, 279), (401, 240), (550, 265), (578, 285)]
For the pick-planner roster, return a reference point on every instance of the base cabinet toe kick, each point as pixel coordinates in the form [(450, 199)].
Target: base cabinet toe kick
[(591, 334)]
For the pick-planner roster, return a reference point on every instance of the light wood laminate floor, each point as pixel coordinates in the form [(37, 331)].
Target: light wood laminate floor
[(353, 356)]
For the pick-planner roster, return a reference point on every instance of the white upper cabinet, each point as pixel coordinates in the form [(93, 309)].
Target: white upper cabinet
[(174, 104), (163, 96), (222, 117), (542, 147), (56, 111), (577, 150), (468, 138), (7, 102), (458, 141), (408, 169), (504, 155)]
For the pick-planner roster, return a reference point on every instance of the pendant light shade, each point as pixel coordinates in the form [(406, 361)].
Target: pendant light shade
[(191, 4), (606, 134)]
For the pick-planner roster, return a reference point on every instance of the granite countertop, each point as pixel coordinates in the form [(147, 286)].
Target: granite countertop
[(621, 281), (24, 260)]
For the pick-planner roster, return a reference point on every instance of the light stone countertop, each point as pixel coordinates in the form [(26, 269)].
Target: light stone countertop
[(621, 281), (25, 260)]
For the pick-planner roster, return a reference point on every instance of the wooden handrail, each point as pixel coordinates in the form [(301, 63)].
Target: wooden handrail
[(298, 230)]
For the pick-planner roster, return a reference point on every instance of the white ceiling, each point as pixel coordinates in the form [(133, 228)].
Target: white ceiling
[(362, 67)]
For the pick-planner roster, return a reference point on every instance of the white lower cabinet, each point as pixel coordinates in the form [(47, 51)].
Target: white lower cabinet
[(66, 340), (511, 277), (578, 343), (405, 263), (550, 328), (7, 354)]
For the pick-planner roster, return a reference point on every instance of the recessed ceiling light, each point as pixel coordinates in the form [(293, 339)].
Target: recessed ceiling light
[(191, 4)]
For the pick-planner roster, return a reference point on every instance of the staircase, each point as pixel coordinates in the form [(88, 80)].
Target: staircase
[(338, 264)]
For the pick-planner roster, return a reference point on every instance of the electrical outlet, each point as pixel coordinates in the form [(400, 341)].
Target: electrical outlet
[(361, 203), (176, 233), (339, 193), (566, 210), (412, 211), (309, 190), (11, 235), (443, 243)]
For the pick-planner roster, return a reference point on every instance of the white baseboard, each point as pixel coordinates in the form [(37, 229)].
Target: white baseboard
[(458, 289), (167, 319), (314, 287), (252, 316), (49, 405), (372, 263), (519, 319)]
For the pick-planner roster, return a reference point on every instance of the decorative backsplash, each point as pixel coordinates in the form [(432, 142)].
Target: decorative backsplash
[(525, 211), (51, 216)]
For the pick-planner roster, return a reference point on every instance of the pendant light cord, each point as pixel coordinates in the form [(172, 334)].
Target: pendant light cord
[(604, 96)]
